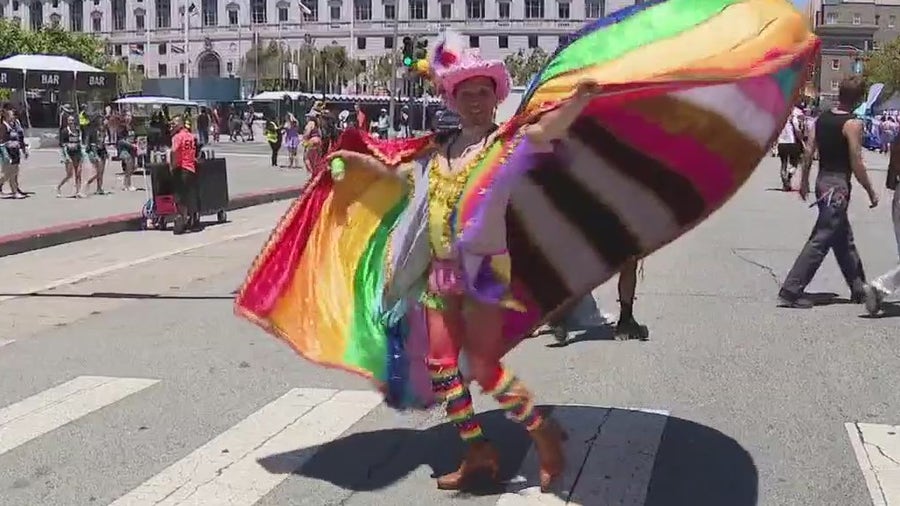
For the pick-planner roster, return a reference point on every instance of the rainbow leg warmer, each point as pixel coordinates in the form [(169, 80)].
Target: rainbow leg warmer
[(516, 400), (449, 388)]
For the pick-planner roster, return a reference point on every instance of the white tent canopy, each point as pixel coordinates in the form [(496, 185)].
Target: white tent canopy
[(158, 101), (28, 62)]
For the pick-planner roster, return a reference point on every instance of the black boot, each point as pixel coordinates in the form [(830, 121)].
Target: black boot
[(628, 328)]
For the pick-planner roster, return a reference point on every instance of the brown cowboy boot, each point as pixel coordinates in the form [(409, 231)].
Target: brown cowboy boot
[(548, 438), (480, 464)]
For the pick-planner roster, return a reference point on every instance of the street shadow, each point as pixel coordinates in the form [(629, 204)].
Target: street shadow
[(888, 310), (826, 298), (117, 295), (780, 189), (608, 451)]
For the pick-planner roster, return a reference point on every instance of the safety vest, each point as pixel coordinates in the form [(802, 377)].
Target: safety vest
[(272, 132), (83, 119)]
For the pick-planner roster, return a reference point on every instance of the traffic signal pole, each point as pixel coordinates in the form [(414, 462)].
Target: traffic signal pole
[(392, 108)]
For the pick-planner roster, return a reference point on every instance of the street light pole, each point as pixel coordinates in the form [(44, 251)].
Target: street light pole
[(186, 73), (393, 106)]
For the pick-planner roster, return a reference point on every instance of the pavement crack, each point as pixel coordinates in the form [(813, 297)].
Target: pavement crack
[(769, 270), (862, 440), (591, 441)]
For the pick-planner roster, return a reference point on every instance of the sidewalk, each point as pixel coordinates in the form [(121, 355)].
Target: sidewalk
[(43, 219)]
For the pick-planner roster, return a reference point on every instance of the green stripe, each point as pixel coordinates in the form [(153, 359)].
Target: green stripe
[(787, 80), (611, 42), (367, 342)]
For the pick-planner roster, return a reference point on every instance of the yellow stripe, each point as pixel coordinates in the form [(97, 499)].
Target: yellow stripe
[(726, 45), (316, 309)]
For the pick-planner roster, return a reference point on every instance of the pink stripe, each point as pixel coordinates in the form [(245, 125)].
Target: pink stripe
[(711, 175), (765, 93)]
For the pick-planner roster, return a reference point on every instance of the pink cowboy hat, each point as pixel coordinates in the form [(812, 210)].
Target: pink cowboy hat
[(451, 64)]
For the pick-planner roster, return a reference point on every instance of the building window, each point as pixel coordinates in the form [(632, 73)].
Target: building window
[(473, 41), (163, 14), (446, 11), (335, 12), (117, 50), (564, 12), (835, 64), (229, 67), (282, 14), (418, 9), (831, 18), (892, 20), (258, 12), (97, 23), (593, 9), (877, 19), (139, 68), (835, 85), (362, 10), (532, 41), (118, 15), (15, 5), (503, 42), (139, 19), (390, 11), (162, 49), (563, 40), (857, 18), (534, 9), (360, 43), (313, 7), (504, 10), (210, 10), (181, 68), (162, 69), (389, 43), (233, 17), (55, 4), (76, 16), (36, 12), (475, 10)]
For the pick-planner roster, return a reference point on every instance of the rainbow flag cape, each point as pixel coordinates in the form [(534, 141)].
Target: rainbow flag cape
[(694, 92)]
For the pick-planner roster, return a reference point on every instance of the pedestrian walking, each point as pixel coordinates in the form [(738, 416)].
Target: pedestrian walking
[(888, 283), (96, 151), (70, 140), (838, 138), (12, 149), (790, 147)]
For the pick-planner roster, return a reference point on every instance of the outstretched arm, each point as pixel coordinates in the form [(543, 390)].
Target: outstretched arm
[(554, 124)]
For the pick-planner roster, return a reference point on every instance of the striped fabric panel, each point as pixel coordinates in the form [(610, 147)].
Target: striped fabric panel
[(579, 215)]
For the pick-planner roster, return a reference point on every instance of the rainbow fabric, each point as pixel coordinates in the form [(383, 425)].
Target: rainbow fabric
[(694, 91)]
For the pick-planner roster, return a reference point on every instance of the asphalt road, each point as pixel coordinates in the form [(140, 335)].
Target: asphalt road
[(125, 375), (249, 171)]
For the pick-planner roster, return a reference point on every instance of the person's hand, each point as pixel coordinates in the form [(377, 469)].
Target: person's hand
[(873, 199), (803, 190), (587, 90)]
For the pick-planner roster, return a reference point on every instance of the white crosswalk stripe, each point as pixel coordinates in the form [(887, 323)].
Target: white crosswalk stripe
[(226, 471), (877, 449), (51, 409), (610, 454), (611, 451)]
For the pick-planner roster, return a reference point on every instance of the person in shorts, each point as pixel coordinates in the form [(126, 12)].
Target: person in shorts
[(790, 148)]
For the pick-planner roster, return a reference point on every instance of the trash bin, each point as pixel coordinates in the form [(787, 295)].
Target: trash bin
[(212, 189)]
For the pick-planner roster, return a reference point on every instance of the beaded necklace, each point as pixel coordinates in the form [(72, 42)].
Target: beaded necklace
[(444, 192)]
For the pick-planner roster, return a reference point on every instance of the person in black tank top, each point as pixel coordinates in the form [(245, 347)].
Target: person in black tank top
[(838, 138)]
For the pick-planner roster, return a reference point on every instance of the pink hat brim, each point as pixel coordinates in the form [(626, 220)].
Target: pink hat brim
[(493, 69)]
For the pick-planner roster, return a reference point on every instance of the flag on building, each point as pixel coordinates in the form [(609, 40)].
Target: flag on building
[(177, 49), (303, 8)]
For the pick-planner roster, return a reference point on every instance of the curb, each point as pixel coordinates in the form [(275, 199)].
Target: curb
[(31, 240)]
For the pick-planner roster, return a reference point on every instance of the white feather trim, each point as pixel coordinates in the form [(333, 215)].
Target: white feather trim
[(453, 42)]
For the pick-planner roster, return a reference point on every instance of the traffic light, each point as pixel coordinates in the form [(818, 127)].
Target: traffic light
[(421, 50), (408, 52)]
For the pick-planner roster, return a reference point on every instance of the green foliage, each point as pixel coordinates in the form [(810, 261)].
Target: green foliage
[(523, 66), (51, 40), (321, 70), (883, 66)]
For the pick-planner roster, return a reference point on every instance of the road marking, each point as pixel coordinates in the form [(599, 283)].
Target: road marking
[(132, 263), (226, 471), (51, 409), (610, 456), (877, 449)]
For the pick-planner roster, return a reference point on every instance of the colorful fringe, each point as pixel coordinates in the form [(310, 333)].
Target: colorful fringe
[(515, 399), (449, 388)]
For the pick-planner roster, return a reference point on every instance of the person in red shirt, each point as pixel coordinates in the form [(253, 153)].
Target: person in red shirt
[(183, 163)]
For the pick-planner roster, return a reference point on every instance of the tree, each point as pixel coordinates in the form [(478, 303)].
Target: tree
[(883, 66), (51, 40), (523, 66)]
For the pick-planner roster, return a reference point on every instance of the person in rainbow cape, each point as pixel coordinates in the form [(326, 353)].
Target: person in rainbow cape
[(410, 252)]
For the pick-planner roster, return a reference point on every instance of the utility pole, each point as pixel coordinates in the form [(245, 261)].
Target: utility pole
[(186, 79), (394, 69)]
